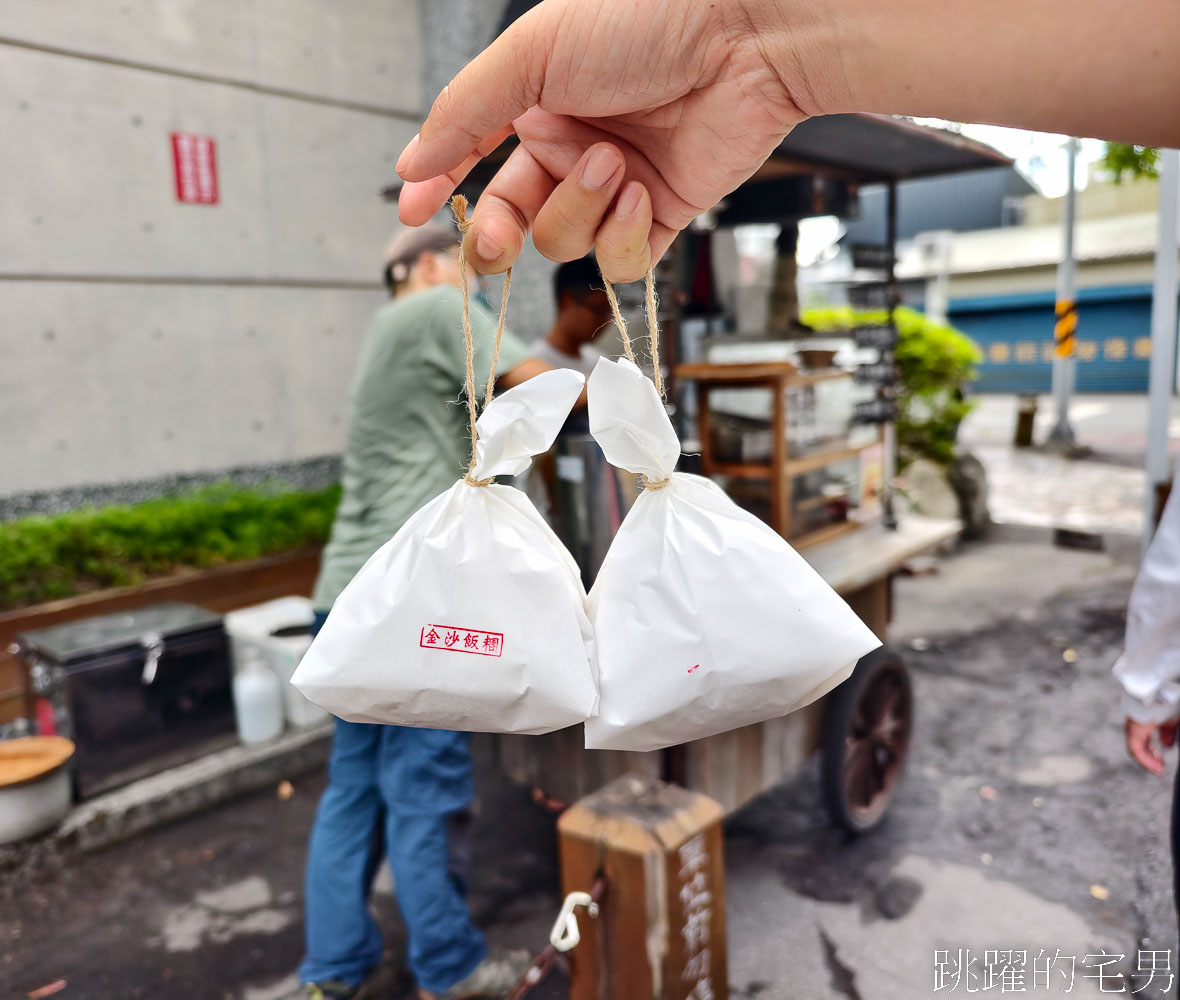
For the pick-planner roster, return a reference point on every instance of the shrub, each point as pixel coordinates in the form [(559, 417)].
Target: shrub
[(935, 362), (44, 558)]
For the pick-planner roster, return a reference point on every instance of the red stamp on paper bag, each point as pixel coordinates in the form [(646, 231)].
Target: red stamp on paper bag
[(462, 640)]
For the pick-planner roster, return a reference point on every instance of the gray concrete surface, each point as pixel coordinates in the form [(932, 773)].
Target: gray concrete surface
[(1020, 824), (1005, 580), (1035, 489), (1101, 494), (204, 337), (1113, 424), (1018, 811)]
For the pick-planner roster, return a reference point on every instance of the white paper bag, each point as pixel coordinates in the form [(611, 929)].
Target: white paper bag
[(704, 618), (472, 617)]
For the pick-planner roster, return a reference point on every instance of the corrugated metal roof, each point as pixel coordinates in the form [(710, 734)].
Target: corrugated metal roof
[(1015, 247), (867, 148)]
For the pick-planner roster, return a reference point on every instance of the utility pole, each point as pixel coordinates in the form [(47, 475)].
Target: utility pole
[(1163, 341), (1062, 436)]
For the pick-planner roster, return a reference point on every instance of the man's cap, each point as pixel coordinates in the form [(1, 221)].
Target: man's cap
[(407, 244)]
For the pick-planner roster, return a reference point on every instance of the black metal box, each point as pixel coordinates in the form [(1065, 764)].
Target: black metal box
[(137, 691)]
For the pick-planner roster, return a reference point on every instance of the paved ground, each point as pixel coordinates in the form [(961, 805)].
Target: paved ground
[(1020, 825), (1114, 425), (1102, 494), (1037, 489)]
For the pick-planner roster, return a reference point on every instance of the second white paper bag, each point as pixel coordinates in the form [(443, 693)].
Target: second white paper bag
[(705, 619)]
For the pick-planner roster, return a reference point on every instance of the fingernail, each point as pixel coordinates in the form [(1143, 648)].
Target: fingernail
[(629, 200), (486, 248), (600, 168), (407, 154)]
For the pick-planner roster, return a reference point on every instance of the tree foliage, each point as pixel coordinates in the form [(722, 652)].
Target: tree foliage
[(1135, 161)]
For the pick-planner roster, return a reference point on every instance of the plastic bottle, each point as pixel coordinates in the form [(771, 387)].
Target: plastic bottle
[(258, 701)]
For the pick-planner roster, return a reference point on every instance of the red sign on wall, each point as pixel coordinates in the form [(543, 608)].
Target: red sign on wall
[(194, 161)]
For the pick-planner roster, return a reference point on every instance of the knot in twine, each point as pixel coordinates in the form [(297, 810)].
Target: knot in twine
[(655, 484), (459, 207)]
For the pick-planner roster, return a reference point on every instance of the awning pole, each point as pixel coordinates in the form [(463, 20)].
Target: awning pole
[(1163, 339), (1064, 334), (889, 432)]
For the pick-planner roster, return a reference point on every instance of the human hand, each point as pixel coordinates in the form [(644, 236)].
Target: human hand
[(694, 106), (688, 98), (1140, 744)]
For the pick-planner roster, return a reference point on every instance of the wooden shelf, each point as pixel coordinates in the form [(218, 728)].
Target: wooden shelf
[(738, 374), (826, 534), (792, 467), (813, 503), (762, 373), (797, 466), (811, 378), (741, 470), (856, 561)]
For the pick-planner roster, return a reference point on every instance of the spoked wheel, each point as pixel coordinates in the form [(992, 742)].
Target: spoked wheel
[(866, 735)]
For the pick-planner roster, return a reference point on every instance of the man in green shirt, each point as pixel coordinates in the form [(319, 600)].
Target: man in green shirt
[(408, 436), (407, 442)]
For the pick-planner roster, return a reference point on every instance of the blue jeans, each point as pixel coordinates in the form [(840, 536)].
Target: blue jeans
[(415, 787)]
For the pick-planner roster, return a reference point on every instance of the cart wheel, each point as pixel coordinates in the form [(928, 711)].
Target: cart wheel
[(866, 734)]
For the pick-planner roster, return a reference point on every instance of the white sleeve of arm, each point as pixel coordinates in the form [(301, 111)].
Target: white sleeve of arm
[(1149, 669)]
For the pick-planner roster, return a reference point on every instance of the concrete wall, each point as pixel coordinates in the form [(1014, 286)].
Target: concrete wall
[(1098, 199), (1091, 274), (145, 338)]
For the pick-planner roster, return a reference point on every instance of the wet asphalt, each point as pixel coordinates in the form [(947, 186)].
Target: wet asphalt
[(1019, 817)]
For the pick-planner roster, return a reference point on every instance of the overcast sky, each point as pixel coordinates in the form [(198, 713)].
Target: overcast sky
[(1040, 155)]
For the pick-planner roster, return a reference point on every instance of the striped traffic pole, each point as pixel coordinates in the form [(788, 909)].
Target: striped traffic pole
[(1066, 328), (1066, 321)]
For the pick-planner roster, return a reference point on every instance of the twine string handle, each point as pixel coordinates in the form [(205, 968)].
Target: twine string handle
[(653, 334), (459, 208)]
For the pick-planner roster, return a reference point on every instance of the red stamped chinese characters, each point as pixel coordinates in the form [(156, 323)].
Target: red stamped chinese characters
[(462, 640)]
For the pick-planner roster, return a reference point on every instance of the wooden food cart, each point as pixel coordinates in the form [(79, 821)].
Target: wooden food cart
[(862, 728), (819, 485)]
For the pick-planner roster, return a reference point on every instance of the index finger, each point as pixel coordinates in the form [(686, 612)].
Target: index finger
[(420, 200), (496, 87)]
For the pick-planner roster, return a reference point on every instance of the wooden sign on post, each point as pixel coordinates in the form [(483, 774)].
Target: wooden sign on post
[(660, 933)]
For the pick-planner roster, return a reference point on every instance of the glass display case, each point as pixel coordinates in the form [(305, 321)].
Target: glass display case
[(784, 443)]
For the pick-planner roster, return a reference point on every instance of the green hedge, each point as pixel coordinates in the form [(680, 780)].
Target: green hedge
[(44, 558), (935, 362)]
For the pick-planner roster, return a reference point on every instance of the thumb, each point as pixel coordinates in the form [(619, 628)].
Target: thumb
[(490, 92), (1168, 733)]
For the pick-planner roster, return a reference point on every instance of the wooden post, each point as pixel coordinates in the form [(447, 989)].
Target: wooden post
[(660, 934)]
